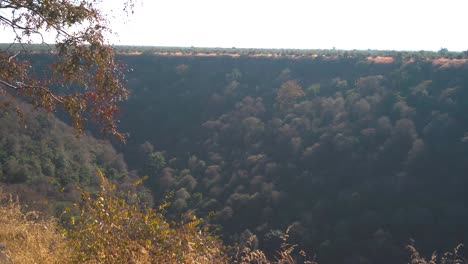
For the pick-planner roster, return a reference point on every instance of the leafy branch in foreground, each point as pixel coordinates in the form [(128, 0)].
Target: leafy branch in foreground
[(84, 80)]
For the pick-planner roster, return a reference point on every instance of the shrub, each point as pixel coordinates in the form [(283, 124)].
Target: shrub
[(109, 229)]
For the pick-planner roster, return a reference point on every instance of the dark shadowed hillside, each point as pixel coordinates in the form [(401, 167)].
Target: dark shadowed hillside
[(358, 153)]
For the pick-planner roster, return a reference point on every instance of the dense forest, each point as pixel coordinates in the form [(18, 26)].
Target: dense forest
[(357, 152), (44, 160)]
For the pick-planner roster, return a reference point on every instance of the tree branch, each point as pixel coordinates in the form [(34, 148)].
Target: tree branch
[(12, 57), (11, 86), (21, 86), (8, 4), (15, 25)]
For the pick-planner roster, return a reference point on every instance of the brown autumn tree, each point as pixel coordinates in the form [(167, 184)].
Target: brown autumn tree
[(289, 92), (84, 78)]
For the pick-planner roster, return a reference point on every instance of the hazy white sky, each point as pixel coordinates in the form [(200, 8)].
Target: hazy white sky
[(313, 24)]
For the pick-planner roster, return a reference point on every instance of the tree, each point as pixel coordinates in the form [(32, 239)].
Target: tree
[(288, 94), (155, 161), (84, 78)]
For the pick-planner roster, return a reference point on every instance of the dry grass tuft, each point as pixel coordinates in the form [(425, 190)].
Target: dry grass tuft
[(28, 238), (287, 254), (453, 257)]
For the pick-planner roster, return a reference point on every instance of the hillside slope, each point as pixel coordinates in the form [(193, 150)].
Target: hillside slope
[(358, 154), (43, 161)]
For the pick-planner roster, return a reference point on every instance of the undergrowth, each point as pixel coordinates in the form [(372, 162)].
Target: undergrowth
[(29, 237), (113, 227), (287, 254), (108, 228), (453, 257)]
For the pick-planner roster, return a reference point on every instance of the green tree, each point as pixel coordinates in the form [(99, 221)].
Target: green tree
[(84, 79), (155, 161)]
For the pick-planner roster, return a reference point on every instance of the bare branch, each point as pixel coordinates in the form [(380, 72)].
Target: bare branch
[(21, 86), (15, 25), (8, 85), (12, 57)]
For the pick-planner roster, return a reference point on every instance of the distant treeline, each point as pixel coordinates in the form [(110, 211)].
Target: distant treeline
[(233, 51)]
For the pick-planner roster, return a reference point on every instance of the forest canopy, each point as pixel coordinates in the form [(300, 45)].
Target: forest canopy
[(358, 150)]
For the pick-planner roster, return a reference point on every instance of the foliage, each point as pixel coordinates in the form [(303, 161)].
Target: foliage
[(355, 161), (287, 254), (112, 227), (84, 77), (29, 237), (155, 161), (288, 93), (104, 234), (109, 229), (42, 161)]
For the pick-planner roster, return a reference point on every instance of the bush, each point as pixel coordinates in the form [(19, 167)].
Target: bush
[(109, 229)]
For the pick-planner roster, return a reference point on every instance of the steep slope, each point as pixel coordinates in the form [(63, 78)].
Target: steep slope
[(43, 160), (358, 154)]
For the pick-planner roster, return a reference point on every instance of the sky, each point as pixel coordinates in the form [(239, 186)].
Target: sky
[(299, 24)]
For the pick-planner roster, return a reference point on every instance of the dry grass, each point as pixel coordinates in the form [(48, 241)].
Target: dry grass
[(287, 254), (453, 257), (28, 238)]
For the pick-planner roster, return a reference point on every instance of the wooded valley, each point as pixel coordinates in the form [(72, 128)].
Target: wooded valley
[(355, 153)]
